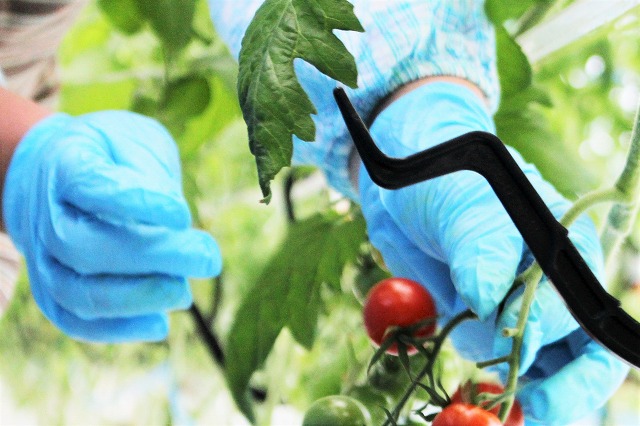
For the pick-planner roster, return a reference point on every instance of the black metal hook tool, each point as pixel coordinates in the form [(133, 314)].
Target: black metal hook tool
[(596, 311)]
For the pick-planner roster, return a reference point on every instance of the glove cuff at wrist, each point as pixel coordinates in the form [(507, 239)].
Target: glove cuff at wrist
[(23, 165), (429, 115)]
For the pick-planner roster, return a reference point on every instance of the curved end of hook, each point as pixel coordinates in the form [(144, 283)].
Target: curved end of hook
[(376, 162)]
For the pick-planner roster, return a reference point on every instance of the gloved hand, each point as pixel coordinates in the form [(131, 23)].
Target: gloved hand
[(95, 205), (453, 235)]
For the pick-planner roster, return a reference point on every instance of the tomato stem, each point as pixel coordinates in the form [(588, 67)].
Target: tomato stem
[(428, 368), (589, 200), (533, 274), (622, 215), (492, 400), (495, 361)]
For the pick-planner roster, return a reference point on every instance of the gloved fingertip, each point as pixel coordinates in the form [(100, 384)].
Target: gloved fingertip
[(162, 209), (216, 260), (177, 212), (212, 258), (152, 328), (534, 401), (474, 285), (158, 330), (483, 272), (184, 301)]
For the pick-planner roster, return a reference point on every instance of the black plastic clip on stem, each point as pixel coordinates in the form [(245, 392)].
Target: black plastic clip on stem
[(597, 312)]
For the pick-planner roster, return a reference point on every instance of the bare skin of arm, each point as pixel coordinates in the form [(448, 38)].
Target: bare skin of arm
[(18, 115)]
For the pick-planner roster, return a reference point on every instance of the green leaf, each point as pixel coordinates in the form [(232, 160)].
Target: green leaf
[(170, 20), (273, 103), (514, 69), (499, 11), (315, 251), (182, 100), (521, 124), (144, 104), (186, 97), (123, 14)]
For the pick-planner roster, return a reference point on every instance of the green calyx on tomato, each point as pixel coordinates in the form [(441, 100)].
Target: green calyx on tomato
[(337, 410), (399, 304)]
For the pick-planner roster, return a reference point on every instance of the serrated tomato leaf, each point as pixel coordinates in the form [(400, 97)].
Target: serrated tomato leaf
[(287, 294), (274, 104)]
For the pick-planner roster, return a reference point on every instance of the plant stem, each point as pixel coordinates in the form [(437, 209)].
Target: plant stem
[(466, 315), (208, 337), (622, 214), (495, 361), (531, 277), (289, 181), (589, 200), (534, 274)]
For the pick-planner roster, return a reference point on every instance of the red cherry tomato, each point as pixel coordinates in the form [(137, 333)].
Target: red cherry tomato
[(397, 302), (459, 414), (515, 418)]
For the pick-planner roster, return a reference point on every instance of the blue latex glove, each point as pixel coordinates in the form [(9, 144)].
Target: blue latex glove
[(453, 235), (95, 205)]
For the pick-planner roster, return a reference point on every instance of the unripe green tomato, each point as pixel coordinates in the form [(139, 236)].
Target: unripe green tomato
[(337, 410)]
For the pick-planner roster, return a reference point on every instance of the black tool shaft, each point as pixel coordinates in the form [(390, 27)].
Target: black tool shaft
[(596, 311)]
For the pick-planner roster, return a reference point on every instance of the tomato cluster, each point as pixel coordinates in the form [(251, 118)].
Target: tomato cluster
[(402, 307), (398, 302)]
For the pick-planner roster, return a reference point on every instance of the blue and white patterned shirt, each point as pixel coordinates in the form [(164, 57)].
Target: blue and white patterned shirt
[(404, 40)]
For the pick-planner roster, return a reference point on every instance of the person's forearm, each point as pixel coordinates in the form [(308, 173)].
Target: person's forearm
[(17, 116)]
